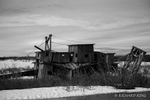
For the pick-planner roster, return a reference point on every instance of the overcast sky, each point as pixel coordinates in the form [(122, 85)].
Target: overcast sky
[(113, 25)]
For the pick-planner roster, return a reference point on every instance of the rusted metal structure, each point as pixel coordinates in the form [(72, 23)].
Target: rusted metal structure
[(80, 59)]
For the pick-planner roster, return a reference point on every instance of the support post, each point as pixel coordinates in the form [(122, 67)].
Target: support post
[(45, 43), (50, 46), (70, 74), (50, 42)]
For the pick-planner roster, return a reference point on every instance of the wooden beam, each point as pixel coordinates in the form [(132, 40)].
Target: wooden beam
[(50, 47), (134, 47), (46, 43), (39, 48), (47, 39), (50, 40), (70, 74)]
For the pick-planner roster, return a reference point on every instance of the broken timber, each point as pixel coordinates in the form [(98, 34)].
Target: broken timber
[(134, 59)]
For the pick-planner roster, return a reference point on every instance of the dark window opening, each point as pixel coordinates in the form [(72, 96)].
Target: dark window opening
[(86, 55), (49, 73), (136, 52), (47, 53), (71, 58), (38, 55), (76, 55), (37, 61), (95, 57)]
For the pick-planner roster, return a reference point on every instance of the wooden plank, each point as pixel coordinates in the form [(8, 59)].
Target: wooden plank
[(75, 66)]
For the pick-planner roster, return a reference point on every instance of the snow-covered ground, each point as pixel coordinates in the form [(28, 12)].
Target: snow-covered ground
[(145, 63), (121, 63), (59, 92), (29, 63), (145, 67), (16, 63), (26, 77)]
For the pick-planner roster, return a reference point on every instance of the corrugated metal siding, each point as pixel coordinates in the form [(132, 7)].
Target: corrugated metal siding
[(42, 56), (61, 57), (75, 50), (81, 51), (56, 56), (100, 57)]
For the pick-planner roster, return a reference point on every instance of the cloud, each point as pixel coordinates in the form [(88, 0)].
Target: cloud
[(115, 24), (53, 21), (126, 42)]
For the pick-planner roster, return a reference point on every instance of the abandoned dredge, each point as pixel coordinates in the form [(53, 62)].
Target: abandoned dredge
[(80, 59)]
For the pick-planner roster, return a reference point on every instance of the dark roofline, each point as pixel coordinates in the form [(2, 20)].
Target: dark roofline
[(63, 52), (44, 51), (80, 44), (99, 52), (58, 52), (111, 53)]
